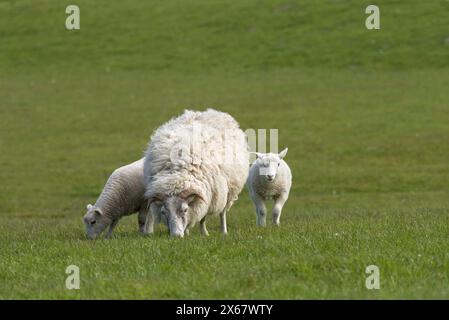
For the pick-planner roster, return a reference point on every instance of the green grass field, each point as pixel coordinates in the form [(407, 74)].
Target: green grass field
[(364, 114)]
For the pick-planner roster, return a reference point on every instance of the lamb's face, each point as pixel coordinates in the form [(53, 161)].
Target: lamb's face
[(269, 164), (176, 211), (94, 221)]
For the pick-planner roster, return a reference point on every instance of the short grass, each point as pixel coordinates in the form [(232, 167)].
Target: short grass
[(365, 117)]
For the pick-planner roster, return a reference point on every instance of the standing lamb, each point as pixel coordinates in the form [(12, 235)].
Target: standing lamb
[(122, 195), (269, 177), (195, 166)]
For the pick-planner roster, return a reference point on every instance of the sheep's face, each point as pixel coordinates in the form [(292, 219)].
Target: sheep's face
[(269, 164), (94, 221), (175, 209)]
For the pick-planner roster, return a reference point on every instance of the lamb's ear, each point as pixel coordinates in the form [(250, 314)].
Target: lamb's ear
[(283, 153), (98, 212), (258, 154), (89, 207)]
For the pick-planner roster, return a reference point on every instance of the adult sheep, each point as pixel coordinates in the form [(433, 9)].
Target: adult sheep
[(195, 166)]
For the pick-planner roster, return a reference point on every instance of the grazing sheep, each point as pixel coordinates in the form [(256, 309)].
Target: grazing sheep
[(269, 177), (122, 195), (195, 166)]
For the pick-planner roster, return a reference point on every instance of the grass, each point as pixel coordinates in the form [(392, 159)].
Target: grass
[(201, 35), (364, 114)]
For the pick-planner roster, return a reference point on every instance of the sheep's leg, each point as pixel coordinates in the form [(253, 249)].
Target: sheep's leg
[(149, 223), (187, 232), (224, 228), (111, 228), (203, 227), (261, 210), (141, 219), (277, 209)]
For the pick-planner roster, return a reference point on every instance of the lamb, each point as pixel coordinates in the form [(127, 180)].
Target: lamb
[(195, 166), (269, 177), (122, 195)]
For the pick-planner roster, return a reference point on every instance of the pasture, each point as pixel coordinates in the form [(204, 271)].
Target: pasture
[(363, 113)]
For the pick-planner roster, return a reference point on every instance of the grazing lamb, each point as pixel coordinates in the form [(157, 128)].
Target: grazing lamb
[(269, 177), (195, 166), (122, 195)]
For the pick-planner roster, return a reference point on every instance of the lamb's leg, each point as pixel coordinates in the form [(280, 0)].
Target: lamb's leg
[(224, 228), (277, 209), (203, 227), (111, 228), (261, 210), (141, 219)]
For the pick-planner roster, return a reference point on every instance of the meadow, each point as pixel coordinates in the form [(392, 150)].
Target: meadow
[(364, 114)]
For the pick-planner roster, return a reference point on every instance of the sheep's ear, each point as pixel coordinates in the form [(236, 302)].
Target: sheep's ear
[(283, 153), (89, 207), (155, 197), (201, 197), (191, 198), (190, 195)]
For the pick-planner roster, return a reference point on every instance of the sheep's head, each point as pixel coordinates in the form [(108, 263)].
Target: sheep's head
[(176, 209), (269, 163), (95, 221)]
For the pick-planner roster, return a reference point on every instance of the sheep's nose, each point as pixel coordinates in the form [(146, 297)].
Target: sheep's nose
[(270, 177)]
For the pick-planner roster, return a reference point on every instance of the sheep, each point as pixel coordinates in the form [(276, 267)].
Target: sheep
[(122, 195), (195, 166), (269, 177)]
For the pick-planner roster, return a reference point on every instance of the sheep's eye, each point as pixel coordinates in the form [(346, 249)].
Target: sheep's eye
[(279, 164), (93, 222)]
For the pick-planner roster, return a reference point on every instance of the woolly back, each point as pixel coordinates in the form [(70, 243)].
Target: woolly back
[(195, 139)]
